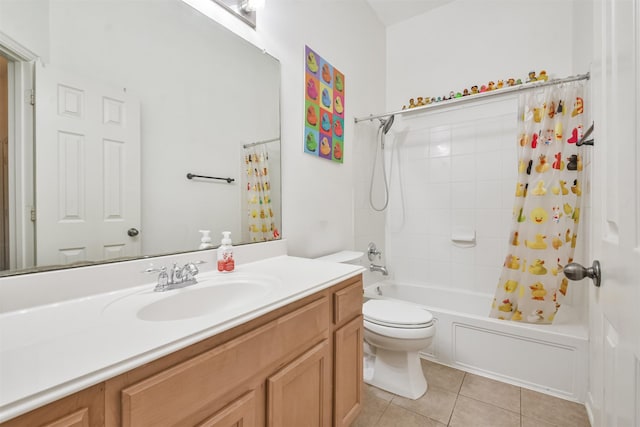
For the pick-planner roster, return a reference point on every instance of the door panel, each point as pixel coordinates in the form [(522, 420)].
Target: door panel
[(84, 127), (4, 164), (614, 308)]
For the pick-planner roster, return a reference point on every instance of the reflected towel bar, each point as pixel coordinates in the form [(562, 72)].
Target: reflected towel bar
[(266, 141), (191, 175)]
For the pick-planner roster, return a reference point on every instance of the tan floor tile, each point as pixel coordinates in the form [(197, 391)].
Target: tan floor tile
[(396, 416), (496, 393), (470, 412), (442, 376), (378, 392), (481, 402), (535, 422), (553, 410), (372, 409), (436, 404)]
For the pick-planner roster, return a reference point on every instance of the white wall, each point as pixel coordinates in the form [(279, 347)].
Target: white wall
[(27, 22), (198, 91), (318, 196), (459, 166), (469, 42)]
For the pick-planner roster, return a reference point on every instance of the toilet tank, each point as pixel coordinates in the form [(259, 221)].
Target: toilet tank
[(344, 257), (356, 258)]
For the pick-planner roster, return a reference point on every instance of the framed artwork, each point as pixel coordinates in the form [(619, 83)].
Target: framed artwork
[(323, 108)]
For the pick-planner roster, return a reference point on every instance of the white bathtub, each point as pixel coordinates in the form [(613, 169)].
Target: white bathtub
[(551, 359)]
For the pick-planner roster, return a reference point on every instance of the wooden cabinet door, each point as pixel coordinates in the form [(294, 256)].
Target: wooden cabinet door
[(82, 409), (239, 413), (348, 372), (184, 393), (300, 394)]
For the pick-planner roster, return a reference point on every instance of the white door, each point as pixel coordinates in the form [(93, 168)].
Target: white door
[(615, 307), (87, 169)]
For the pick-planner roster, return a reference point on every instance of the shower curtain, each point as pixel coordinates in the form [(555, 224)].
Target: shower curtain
[(261, 220), (547, 205)]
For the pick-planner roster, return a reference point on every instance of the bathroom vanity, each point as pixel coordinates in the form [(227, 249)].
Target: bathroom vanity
[(293, 358)]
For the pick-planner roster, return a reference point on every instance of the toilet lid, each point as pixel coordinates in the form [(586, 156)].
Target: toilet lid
[(396, 314)]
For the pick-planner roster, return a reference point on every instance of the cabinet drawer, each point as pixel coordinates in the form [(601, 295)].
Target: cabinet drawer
[(185, 392), (347, 303), (82, 409)]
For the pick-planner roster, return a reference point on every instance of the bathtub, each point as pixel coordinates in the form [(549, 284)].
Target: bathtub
[(551, 359)]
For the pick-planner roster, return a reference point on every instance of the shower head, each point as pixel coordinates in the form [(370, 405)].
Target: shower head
[(385, 124)]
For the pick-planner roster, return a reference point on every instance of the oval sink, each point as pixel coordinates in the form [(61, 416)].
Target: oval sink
[(216, 295), (202, 299)]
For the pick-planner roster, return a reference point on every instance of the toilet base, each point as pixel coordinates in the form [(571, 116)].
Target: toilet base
[(398, 372)]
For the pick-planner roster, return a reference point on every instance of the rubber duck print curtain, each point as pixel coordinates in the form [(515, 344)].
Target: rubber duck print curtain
[(262, 225), (547, 205)]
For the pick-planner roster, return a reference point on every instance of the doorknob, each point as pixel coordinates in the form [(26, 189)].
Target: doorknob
[(575, 271), (133, 232)]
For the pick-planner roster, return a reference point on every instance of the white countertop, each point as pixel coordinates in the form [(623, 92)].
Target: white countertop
[(50, 351)]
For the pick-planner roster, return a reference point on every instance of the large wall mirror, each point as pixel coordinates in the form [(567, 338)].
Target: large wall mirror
[(130, 97)]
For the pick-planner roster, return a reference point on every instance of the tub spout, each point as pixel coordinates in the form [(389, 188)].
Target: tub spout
[(381, 268)]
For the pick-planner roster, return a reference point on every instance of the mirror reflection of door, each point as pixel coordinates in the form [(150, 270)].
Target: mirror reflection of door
[(16, 146), (89, 196), (193, 121), (4, 164)]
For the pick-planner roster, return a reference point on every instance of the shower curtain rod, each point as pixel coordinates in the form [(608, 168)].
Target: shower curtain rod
[(253, 144), (483, 95)]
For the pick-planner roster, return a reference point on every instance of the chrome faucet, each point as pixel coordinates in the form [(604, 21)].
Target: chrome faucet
[(381, 268), (178, 277)]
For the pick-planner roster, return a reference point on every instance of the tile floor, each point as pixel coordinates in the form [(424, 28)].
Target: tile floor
[(459, 399)]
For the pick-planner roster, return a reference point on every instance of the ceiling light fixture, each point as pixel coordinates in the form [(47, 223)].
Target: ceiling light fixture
[(251, 5), (242, 9)]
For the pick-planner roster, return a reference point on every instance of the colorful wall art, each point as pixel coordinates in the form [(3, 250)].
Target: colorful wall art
[(323, 108)]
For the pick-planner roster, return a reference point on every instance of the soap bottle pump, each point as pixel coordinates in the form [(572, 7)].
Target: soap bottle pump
[(205, 240), (225, 253)]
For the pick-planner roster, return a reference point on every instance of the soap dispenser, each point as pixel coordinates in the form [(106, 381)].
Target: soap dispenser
[(225, 253), (205, 240)]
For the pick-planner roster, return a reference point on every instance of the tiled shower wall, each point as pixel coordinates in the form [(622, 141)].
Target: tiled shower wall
[(369, 225), (454, 172)]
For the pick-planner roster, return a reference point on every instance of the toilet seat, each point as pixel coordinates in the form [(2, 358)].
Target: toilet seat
[(395, 314)]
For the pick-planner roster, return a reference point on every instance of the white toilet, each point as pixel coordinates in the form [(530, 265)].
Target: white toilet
[(395, 332)]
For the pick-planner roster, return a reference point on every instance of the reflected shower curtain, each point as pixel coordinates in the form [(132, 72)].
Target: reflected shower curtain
[(546, 211), (260, 212)]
